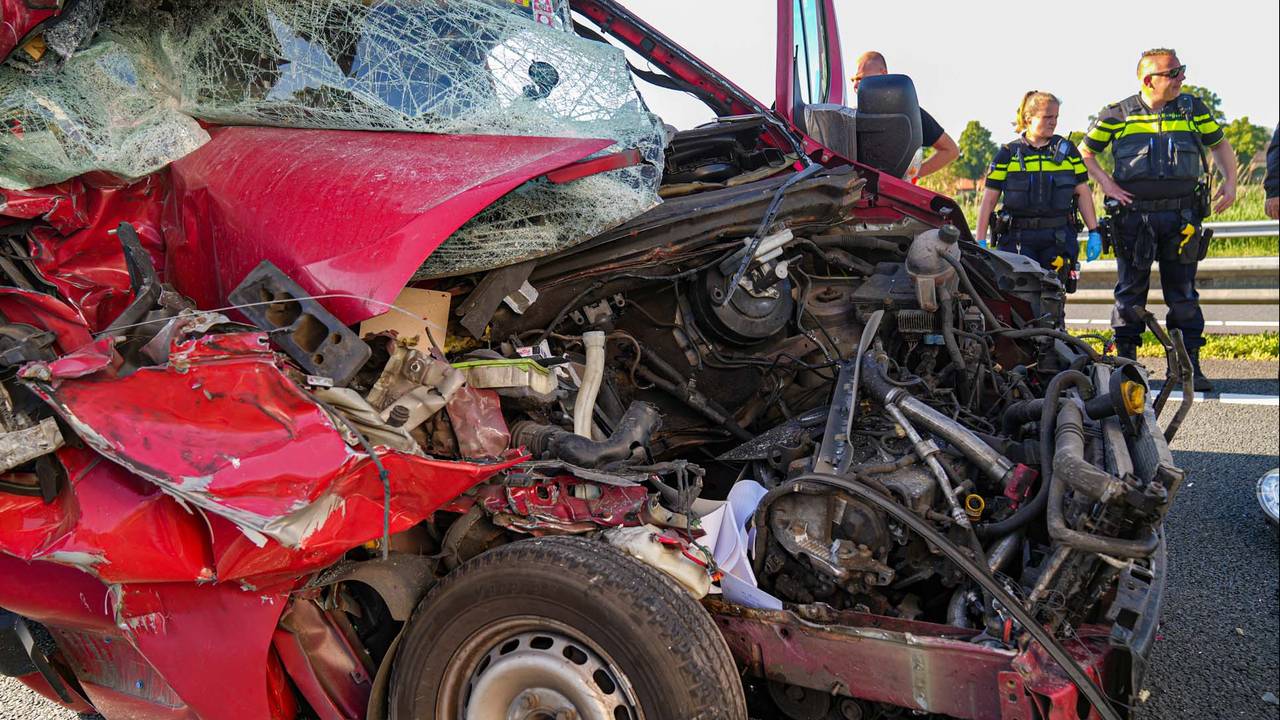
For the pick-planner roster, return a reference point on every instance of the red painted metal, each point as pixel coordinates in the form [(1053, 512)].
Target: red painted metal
[(182, 631), (17, 19), (37, 682), (338, 211), (46, 313), (552, 505), (924, 666), (330, 673), (61, 205), (222, 427), (584, 168), (109, 523), (73, 248)]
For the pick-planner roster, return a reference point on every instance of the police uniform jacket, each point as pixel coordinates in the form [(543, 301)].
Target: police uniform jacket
[(1158, 155), (1037, 181)]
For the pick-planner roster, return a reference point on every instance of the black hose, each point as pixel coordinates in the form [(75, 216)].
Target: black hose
[(987, 315), (633, 430), (949, 333), (1071, 340), (1091, 482), (1048, 411), (979, 574)]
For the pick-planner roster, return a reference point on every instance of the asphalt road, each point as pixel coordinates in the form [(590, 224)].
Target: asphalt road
[(1217, 654), (1218, 318)]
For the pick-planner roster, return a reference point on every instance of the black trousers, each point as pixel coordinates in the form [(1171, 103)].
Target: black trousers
[(1142, 240), (1044, 245)]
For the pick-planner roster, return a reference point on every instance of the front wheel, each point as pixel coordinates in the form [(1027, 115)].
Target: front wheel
[(563, 628)]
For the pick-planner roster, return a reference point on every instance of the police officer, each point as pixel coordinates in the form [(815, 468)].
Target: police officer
[(1044, 182), (1160, 197)]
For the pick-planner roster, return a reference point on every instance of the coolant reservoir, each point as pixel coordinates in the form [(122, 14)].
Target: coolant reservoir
[(928, 271), (642, 543)]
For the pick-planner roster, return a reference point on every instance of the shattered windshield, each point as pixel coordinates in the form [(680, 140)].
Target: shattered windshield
[(129, 99)]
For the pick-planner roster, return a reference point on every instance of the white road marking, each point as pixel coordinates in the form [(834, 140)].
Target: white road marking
[(1208, 323), (1230, 398)]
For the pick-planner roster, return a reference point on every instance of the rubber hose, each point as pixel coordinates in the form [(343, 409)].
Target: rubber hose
[(585, 404), (1048, 410)]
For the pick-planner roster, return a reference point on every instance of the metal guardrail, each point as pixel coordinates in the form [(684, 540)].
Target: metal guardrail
[(1235, 229), (1221, 281)]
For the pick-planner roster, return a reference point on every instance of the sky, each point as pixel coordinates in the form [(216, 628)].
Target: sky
[(973, 61)]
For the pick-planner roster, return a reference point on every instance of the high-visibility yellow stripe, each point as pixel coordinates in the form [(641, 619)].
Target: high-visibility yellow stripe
[(1035, 164), (1099, 135), (1111, 124), (1137, 127), (997, 174)]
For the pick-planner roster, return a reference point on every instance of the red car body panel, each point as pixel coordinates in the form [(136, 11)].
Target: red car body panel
[(223, 429), (17, 20), (341, 212)]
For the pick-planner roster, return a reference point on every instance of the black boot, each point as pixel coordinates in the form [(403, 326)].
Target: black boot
[(1202, 383), (1126, 348)]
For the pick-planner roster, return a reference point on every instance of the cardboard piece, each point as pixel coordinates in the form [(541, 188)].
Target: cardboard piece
[(431, 307)]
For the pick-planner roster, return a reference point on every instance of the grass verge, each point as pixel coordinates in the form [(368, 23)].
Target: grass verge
[(1257, 346)]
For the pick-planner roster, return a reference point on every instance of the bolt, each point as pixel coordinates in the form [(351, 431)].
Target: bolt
[(399, 416)]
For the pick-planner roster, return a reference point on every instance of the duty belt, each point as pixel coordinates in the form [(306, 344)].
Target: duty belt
[(1180, 203), (1038, 223)]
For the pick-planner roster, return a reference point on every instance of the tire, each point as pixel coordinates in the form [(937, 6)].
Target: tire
[(494, 636)]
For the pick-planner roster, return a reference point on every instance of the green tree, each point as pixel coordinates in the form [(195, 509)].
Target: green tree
[(976, 151), (1105, 160), (1210, 98), (1246, 139)]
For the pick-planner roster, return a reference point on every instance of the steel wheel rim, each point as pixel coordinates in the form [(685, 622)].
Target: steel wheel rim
[(534, 668)]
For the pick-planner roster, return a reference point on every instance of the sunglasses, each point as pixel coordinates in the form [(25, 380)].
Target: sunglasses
[(1177, 72)]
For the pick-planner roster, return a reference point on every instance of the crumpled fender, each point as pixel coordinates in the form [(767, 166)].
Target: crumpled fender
[(76, 251), (339, 211), (222, 429)]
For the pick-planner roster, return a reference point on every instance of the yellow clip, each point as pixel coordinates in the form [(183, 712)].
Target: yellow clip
[(1188, 232), (1058, 262), (1134, 396), (973, 506)]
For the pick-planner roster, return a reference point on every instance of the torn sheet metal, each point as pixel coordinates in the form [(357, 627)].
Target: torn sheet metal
[(564, 504), (76, 252), (47, 313), (346, 213), (63, 205), (223, 429), (167, 622), (108, 523)]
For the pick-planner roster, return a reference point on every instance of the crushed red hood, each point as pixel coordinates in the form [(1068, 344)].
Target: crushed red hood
[(342, 212)]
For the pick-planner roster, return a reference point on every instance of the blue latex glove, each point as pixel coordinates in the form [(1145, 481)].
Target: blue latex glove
[(1093, 248)]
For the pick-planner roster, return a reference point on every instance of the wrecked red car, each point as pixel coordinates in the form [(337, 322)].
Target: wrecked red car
[(391, 359)]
